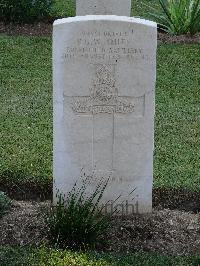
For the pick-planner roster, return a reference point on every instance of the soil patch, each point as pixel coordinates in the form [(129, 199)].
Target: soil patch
[(24, 224), (45, 29), (181, 39), (37, 29), (165, 231)]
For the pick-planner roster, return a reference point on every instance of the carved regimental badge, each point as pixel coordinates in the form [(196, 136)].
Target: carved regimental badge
[(103, 95)]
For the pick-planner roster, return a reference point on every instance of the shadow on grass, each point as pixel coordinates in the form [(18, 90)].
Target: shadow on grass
[(181, 199), (12, 184), (19, 186)]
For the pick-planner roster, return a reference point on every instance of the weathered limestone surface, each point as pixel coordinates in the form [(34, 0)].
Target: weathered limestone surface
[(103, 7), (104, 70)]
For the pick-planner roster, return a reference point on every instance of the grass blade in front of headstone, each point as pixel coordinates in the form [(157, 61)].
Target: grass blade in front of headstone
[(77, 221)]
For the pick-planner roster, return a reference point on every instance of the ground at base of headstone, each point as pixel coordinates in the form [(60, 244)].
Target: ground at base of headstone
[(45, 29), (167, 232)]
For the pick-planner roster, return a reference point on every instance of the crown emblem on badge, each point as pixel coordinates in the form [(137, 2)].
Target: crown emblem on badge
[(104, 89)]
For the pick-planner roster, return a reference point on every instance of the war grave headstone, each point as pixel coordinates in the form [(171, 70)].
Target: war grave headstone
[(104, 72), (103, 7)]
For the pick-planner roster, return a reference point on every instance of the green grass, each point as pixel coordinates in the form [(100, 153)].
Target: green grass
[(177, 153), (52, 257), (25, 109), (64, 8), (26, 113), (141, 8)]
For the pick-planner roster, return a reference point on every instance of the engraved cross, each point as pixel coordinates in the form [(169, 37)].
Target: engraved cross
[(104, 99)]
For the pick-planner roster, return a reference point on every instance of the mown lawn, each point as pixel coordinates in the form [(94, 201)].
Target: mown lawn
[(26, 113), (50, 257), (25, 109)]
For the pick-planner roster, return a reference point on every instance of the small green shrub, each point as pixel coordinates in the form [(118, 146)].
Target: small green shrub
[(24, 10), (178, 16), (5, 203), (77, 221)]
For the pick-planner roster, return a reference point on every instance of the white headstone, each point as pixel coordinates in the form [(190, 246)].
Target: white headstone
[(104, 89), (103, 7)]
